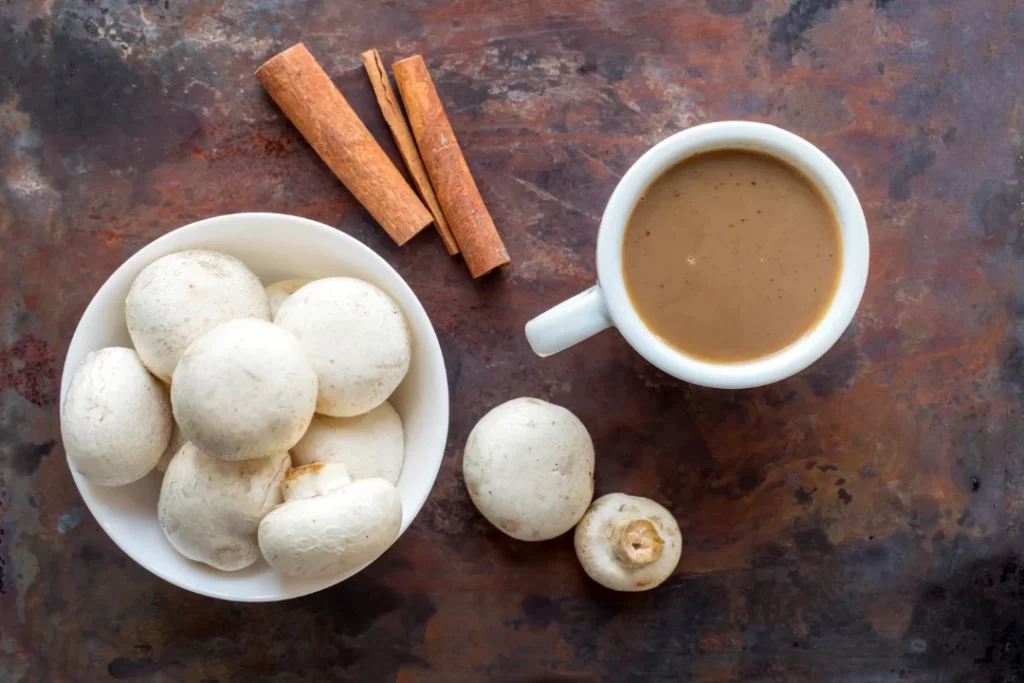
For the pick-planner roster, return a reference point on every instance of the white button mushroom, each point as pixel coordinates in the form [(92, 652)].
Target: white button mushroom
[(529, 468), (116, 419), (179, 297), (329, 524), (243, 390), (628, 543), (370, 445), (210, 509), (357, 338), (173, 446), (281, 290)]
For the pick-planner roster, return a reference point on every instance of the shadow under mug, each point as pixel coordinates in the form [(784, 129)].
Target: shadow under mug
[(607, 304)]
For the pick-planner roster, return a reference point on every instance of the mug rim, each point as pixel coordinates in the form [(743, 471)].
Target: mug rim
[(779, 144)]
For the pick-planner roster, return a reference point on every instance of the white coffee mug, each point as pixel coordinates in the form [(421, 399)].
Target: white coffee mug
[(607, 303)]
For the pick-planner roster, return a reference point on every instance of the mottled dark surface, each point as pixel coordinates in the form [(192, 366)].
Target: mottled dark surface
[(859, 522)]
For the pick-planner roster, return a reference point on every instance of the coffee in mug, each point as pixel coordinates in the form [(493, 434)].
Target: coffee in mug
[(731, 255)]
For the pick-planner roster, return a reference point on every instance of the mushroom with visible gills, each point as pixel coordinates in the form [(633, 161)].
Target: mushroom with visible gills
[(210, 509), (529, 468), (328, 524), (181, 296), (116, 420), (244, 390), (370, 445), (281, 290), (628, 543), (357, 339)]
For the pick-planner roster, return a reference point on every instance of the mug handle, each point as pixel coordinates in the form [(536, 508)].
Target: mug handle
[(569, 323)]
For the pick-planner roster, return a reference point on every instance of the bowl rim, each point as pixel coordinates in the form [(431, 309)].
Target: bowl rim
[(144, 256)]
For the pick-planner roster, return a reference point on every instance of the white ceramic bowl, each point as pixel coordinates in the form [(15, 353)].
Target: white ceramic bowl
[(275, 247)]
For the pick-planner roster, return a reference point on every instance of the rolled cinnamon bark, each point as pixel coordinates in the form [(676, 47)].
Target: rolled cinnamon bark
[(449, 174), (309, 99), (392, 112)]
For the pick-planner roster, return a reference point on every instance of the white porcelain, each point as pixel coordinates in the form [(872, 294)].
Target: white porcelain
[(607, 304), (275, 247)]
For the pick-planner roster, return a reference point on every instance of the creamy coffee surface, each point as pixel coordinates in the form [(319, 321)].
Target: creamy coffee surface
[(731, 255)]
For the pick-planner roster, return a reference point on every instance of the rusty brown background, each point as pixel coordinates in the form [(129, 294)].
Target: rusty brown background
[(859, 522)]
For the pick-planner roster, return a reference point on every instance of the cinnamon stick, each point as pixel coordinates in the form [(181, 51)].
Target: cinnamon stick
[(309, 99), (392, 112), (460, 199)]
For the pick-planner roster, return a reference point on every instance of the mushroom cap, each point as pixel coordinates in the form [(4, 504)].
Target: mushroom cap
[(281, 290), (178, 297), (176, 442), (628, 543), (529, 468), (336, 531), (210, 509), (357, 338), (116, 419), (369, 445), (244, 390)]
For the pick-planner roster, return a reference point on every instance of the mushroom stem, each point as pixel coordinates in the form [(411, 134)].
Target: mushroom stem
[(310, 481), (638, 543)]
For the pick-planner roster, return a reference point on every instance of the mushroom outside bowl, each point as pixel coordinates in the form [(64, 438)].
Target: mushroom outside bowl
[(275, 247)]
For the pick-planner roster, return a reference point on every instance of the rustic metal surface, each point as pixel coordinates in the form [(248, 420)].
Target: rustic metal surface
[(860, 522)]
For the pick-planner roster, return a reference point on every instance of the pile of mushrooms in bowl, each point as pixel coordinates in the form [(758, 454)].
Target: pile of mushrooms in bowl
[(254, 406)]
